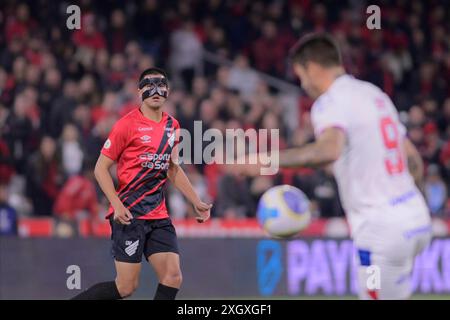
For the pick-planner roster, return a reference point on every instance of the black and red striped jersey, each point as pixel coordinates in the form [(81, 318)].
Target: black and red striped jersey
[(142, 149)]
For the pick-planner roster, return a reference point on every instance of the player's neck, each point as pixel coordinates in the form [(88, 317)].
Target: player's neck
[(154, 114), (330, 77)]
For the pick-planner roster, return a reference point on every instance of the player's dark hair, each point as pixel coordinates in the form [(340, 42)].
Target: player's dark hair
[(316, 47), (153, 70)]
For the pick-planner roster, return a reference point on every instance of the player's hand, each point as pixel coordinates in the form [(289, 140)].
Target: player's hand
[(203, 210), (122, 215)]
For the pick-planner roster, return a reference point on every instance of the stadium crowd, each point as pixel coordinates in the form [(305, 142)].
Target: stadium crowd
[(62, 90)]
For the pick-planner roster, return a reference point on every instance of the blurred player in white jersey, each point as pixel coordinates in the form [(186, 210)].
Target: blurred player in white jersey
[(376, 167)]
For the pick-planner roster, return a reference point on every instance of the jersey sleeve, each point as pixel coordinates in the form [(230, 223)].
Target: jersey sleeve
[(116, 142), (328, 113), (400, 126), (402, 129)]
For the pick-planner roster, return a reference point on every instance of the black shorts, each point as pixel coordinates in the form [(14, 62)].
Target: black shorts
[(142, 237)]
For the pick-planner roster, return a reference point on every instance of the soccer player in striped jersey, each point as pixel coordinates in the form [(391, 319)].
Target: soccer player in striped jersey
[(143, 144)]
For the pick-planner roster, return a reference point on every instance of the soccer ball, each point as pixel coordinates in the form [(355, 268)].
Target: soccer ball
[(283, 211)]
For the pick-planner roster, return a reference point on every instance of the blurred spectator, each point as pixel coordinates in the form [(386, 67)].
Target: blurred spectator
[(416, 116), (89, 36), (97, 137), (445, 161), (443, 119), (119, 34), (258, 186), (88, 90), (8, 215), (19, 26), (6, 88), (43, 177), (149, 23), (107, 108), (268, 51), (6, 163), (116, 76), (17, 132), (62, 108), (242, 78), (326, 195), (187, 114), (435, 190), (49, 91), (186, 54), (71, 151), (199, 184), (425, 83), (83, 120), (215, 43), (233, 197), (382, 76), (200, 88), (432, 143), (78, 197)]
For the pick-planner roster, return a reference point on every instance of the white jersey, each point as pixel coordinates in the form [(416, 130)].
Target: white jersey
[(372, 172)]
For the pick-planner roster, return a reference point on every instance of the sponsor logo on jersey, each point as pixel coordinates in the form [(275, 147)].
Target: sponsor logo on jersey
[(146, 139), (145, 129), (155, 161), (154, 157)]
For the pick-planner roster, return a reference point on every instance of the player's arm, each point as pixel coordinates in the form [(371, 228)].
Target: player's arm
[(179, 179), (104, 179), (325, 150), (415, 162)]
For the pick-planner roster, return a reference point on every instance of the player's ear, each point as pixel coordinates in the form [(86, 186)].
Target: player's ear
[(300, 70)]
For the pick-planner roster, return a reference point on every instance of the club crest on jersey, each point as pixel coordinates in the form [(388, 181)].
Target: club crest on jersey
[(131, 247), (168, 131), (146, 139)]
